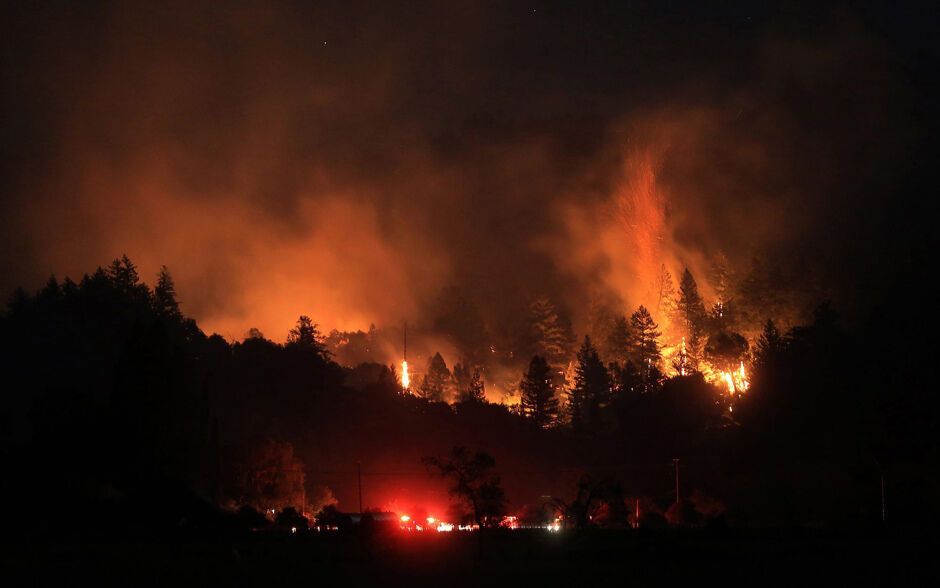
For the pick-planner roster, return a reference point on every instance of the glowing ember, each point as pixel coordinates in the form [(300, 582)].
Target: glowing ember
[(405, 518)]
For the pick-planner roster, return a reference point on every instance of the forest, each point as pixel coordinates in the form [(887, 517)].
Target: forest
[(120, 415)]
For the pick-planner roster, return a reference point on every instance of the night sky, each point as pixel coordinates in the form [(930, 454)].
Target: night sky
[(348, 160)]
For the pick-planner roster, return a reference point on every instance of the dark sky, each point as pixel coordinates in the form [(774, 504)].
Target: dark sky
[(349, 159)]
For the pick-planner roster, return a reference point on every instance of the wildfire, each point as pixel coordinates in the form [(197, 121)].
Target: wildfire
[(405, 378), (736, 380), (683, 359)]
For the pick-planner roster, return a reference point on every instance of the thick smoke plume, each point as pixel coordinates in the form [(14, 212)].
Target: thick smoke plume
[(349, 162)]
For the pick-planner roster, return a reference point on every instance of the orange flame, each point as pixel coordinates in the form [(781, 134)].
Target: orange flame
[(405, 378)]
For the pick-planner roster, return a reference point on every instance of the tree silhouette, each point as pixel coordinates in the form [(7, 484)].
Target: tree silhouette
[(591, 390), (549, 336), (436, 385), (537, 389), (690, 306), (591, 494), (306, 336), (164, 296), (272, 477), (469, 383), (476, 389), (666, 309), (725, 350), (473, 482), (123, 274), (619, 340), (644, 338), (462, 376), (770, 344)]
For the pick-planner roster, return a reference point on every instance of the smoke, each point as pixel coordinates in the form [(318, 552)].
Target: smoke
[(348, 162)]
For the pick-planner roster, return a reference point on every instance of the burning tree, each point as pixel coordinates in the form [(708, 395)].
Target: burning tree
[(725, 350), (537, 389)]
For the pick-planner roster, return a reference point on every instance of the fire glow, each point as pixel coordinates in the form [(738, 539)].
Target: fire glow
[(510, 522), (736, 380), (405, 378)]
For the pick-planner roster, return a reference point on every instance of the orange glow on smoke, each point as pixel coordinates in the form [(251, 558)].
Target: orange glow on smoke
[(642, 213)]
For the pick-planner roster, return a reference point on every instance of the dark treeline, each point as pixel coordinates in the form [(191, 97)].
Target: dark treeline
[(120, 412)]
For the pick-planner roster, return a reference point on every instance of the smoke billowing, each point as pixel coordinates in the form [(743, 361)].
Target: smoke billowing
[(348, 161)]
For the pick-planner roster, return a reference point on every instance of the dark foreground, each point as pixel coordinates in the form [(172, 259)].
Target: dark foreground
[(523, 558)]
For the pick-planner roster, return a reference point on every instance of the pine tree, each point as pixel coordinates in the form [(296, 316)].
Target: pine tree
[(625, 379), (644, 348), (548, 335), (591, 390), (618, 340), (164, 295), (690, 306), (469, 383), (644, 338), (538, 401), (683, 363), (476, 389), (720, 278), (306, 335), (51, 293), (666, 309), (123, 275), (769, 344), (437, 383), (462, 376)]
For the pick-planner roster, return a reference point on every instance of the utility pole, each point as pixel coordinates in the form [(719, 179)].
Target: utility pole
[(675, 462), (884, 503), (359, 475)]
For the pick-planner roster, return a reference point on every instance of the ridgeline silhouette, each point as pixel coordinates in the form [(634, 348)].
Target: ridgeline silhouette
[(120, 415)]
